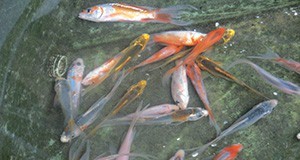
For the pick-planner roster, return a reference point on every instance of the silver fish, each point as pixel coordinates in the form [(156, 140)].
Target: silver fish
[(285, 86), (256, 113)]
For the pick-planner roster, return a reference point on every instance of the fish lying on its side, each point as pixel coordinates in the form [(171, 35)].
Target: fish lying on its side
[(285, 86), (113, 12), (256, 113)]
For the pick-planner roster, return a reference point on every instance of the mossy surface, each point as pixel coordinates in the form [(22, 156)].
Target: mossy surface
[(30, 126)]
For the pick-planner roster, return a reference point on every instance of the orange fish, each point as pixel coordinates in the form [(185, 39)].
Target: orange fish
[(112, 12), (210, 39), (161, 54), (229, 153), (194, 73)]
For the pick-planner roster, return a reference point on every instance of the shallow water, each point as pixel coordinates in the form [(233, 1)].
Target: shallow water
[(30, 126)]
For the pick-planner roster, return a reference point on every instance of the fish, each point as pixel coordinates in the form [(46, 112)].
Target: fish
[(216, 70), (124, 149), (154, 111), (195, 75), (178, 38), (63, 94), (173, 58), (115, 64), (120, 12), (176, 117), (288, 64), (179, 155), (86, 119), (229, 153), (132, 93), (179, 87), (284, 86), (74, 78), (256, 113), (208, 41), (161, 54)]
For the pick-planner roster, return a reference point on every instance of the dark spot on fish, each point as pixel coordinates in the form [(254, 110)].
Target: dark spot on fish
[(88, 10)]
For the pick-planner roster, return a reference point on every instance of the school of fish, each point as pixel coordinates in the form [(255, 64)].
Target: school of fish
[(186, 50)]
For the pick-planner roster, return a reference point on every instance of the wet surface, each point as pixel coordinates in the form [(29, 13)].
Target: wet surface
[(30, 126)]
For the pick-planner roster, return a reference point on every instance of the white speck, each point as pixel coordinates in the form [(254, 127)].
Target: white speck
[(256, 16), (213, 145), (164, 146), (242, 51), (178, 139), (225, 122), (217, 24), (295, 14), (195, 154), (139, 55), (147, 74), (261, 22), (275, 93), (298, 136), (225, 46), (230, 44)]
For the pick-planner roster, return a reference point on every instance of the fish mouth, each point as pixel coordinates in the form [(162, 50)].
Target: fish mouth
[(274, 102)]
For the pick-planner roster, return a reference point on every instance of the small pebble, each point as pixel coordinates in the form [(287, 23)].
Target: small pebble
[(298, 136), (195, 154), (217, 24)]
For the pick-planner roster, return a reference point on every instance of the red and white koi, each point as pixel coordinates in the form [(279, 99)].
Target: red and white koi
[(112, 12)]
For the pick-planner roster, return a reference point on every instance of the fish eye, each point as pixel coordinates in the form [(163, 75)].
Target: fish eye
[(88, 10), (78, 63)]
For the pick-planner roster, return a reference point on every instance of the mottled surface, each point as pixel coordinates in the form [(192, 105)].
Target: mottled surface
[(30, 126)]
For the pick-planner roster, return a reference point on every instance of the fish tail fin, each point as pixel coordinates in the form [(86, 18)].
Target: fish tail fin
[(213, 122), (268, 56), (173, 14)]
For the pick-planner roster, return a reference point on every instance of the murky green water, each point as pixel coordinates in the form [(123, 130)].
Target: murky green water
[(30, 127)]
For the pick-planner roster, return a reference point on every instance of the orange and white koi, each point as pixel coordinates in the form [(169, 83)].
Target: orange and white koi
[(179, 87), (112, 12), (210, 39), (179, 155), (288, 64), (229, 153), (178, 38), (194, 73), (74, 78)]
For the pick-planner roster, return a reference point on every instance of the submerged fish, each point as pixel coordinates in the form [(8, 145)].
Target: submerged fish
[(229, 153), (288, 64), (285, 86), (63, 94), (178, 38), (179, 155), (179, 87), (180, 116), (216, 70), (115, 64), (112, 12), (195, 75), (86, 119), (74, 78), (208, 41), (256, 113)]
